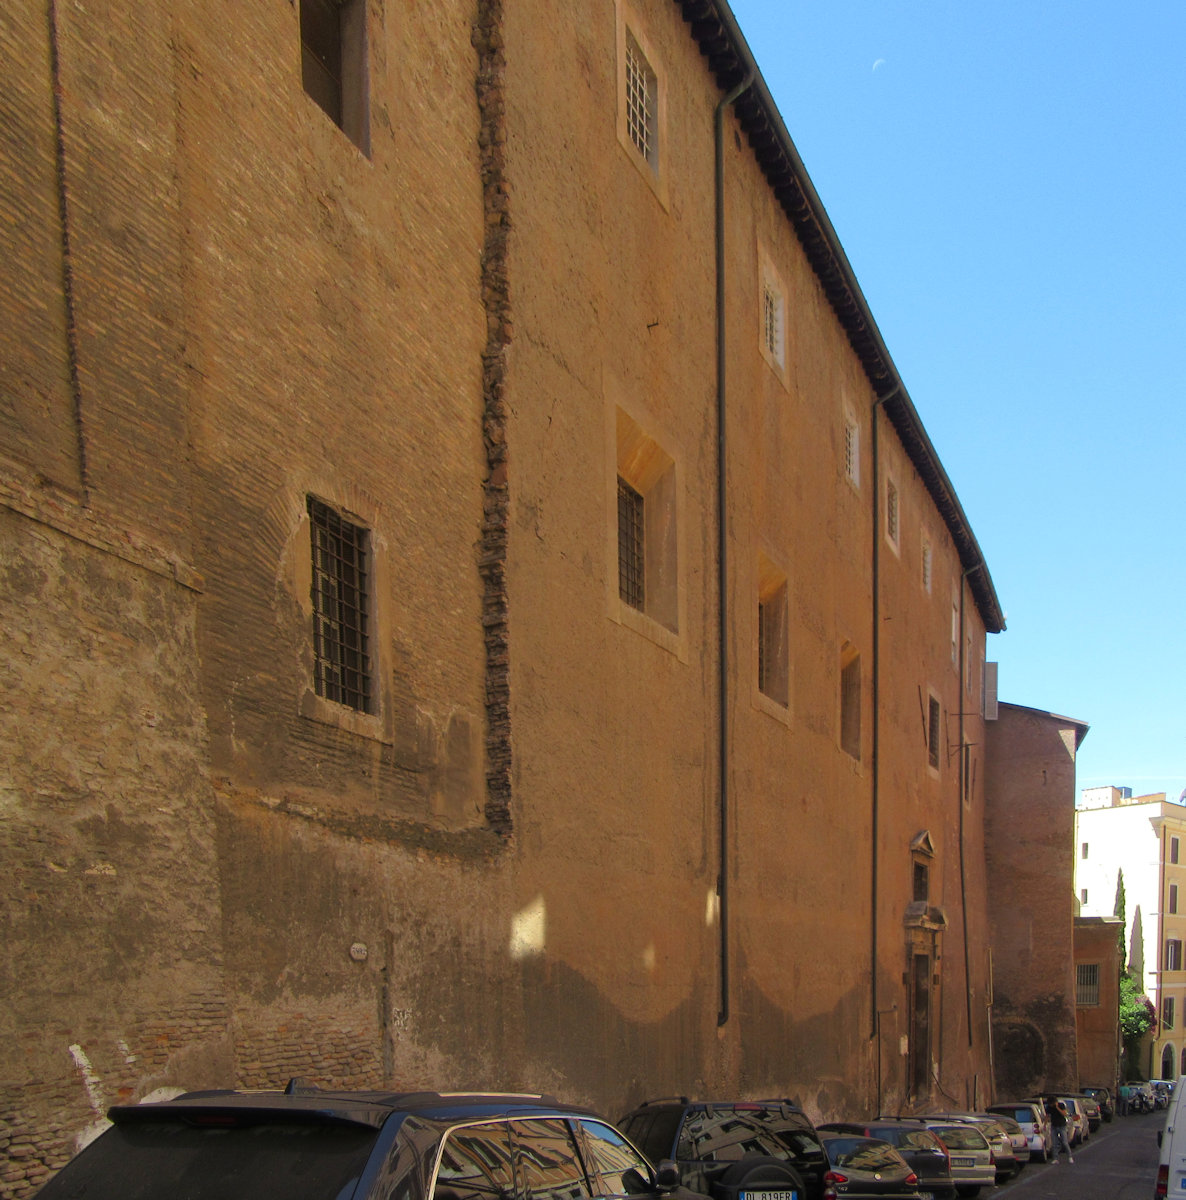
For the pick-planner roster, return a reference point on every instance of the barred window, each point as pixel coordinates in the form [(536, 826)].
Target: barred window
[(642, 102), (1087, 984), (341, 653), (934, 716), (852, 452), (891, 512), (631, 546)]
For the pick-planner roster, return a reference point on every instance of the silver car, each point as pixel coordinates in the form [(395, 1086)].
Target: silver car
[(972, 1165), (1035, 1125)]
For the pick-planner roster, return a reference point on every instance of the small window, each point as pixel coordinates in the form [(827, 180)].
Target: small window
[(927, 554), (642, 103), (773, 322), (955, 630), (1082, 895), (334, 63), (1083, 850), (850, 701), (1173, 900), (1173, 849), (773, 676), (631, 559), (647, 541), (852, 451), (1167, 1013), (341, 603), (892, 515), (934, 715), (1087, 984), (1173, 954)]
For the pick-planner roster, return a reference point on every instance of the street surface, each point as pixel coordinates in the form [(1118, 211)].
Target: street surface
[(1118, 1163)]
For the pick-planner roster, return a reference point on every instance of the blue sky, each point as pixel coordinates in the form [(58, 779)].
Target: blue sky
[(1009, 183)]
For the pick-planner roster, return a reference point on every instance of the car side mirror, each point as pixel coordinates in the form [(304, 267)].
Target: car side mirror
[(667, 1176)]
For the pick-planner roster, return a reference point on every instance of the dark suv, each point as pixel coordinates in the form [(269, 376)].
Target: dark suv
[(306, 1144), (734, 1150)]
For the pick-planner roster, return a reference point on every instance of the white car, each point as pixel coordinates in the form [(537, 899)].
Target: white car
[(1035, 1124), (1171, 1166)]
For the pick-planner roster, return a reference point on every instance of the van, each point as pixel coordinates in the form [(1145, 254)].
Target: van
[(1171, 1166)]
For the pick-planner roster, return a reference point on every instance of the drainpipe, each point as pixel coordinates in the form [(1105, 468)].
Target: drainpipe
[(722, 545), (875, 697), (962, 784)]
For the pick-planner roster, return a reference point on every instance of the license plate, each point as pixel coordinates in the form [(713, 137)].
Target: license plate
[(791, 1195), (963, 1162)]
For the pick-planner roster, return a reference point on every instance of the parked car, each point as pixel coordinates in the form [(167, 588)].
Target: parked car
[(971, 1158), (1077, 1130), (864, 1168), (1091, 1110), (1034, 1124), (923, 1151), (767, 1149), (306, 1144), (1006, 1164), (1103, 1097)]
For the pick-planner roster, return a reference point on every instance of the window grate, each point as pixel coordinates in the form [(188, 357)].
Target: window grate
[(891, 511), (631, 561), (772, 320), (852, 452), (341, 656), (641, 92), (1087, 983)]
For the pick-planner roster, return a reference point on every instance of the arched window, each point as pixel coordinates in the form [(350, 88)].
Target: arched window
[(1167, 1063)]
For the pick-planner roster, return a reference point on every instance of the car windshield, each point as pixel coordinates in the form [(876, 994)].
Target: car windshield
[(171, 1160), (861, 1154), (725, 1134), (911, 1139), (961, 1137)]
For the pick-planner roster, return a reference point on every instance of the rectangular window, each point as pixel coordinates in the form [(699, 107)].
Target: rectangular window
[(1173, 849), (955, 631), (773, 674), (341, 654), (891, 512), (334, 63), (1173, 954), (1082, 895), (852, 452), (850, 701), (642, 103), (1083, 850), (1173, 904), (631, 556), (933, 743), (1167, 1013), (1087, 984), (926, 565), (772, 322)]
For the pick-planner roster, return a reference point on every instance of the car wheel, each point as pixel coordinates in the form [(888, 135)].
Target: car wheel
[(761, 1175)]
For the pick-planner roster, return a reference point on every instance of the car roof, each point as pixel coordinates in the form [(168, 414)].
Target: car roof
[(306, 1104)]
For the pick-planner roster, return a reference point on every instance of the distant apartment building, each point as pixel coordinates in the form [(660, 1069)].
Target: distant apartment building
[(1130, 852)]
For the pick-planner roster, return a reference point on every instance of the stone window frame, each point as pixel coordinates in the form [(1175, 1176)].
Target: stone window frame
[(335, 71), (1087, 985), (632, 40), (354, 505)]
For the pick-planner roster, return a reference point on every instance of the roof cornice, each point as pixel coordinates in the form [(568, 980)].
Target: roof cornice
[(724, 48)]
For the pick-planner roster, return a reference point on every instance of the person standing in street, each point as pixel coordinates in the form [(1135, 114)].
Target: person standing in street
[(1058, 1127)]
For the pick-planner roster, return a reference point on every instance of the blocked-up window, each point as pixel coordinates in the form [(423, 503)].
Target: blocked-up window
[(334, 63), (1087, 984), (773, 663), (927, 564), (850, 700), (341, 607)]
